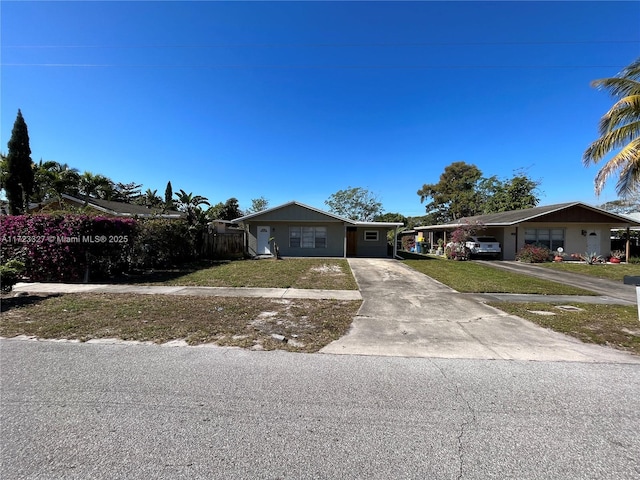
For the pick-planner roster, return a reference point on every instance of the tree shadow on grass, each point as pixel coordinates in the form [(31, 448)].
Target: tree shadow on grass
[(8, 302), (415, 256), (161, 275)]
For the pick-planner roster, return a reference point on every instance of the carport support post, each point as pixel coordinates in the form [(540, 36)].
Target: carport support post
[(638, 297), (395, 242)]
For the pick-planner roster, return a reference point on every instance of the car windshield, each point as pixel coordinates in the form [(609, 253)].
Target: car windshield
[(486, 239)]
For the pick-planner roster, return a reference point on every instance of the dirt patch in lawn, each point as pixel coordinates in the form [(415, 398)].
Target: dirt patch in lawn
[(299, 325)]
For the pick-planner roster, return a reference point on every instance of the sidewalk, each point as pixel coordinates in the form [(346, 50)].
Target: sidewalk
[(180, 290)]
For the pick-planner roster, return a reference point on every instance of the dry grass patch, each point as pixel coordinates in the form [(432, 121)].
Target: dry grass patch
[(616, 326), (308, 325)]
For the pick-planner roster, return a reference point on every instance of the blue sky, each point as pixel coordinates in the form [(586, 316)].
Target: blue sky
[(297, 100)]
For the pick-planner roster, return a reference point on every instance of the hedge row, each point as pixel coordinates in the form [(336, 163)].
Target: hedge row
[(74, 248)]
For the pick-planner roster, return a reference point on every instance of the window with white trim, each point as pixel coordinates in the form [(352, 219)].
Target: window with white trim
[(308, 237), (552, 238), (371, 235)]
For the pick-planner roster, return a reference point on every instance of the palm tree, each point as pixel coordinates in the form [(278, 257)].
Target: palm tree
[(190, 204), (150, 199), (97, 186), (52, 179), (619, 129)]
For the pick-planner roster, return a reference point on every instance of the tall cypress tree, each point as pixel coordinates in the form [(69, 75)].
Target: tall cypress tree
[(168, 197), (19, 181)]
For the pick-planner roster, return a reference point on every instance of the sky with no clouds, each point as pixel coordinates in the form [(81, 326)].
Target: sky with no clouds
[(297, 100)]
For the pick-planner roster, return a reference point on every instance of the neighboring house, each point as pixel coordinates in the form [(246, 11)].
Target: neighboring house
[(106, 207), (575, 226), (299, 230), (223, 226)]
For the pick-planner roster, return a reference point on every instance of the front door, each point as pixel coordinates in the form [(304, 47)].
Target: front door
[(352, 241), (264, 233), (593, 242)]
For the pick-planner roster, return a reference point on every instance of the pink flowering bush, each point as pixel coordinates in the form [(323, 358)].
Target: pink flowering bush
[(67, 248)]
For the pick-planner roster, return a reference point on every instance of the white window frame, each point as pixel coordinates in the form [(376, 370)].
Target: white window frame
[(555, 237), (376, 235), (306, 236)]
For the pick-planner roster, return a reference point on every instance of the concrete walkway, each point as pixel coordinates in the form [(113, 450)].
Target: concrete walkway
[(178, 290), (406, 313)]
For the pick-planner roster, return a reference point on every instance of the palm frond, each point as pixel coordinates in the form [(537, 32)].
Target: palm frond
[(624, 111), (606, 143), (627, 162), (618, 87)]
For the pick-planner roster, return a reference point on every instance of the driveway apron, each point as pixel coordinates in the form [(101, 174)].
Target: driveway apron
[(406, 313)]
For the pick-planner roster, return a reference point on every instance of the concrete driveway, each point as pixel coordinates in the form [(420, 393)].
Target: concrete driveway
[(406, 313)]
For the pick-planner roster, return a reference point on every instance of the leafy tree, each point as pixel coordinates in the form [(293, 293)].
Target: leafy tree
[(229, 210), (355, 203), (514, 194), (215, 212), (126, 192), (624, 206), (18, 183), (3, 170), (190, 204), (391, 217), (619, 129), (455, 195), (258, 205), (168, 197)]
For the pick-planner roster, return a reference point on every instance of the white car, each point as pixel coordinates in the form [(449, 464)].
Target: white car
[(483, 246)]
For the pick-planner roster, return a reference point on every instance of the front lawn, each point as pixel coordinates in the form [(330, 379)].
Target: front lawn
[(322, 273), (607, 271), (616, 326), (307, 325), (471, 277)]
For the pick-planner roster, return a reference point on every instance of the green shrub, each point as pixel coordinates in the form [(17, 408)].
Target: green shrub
[(10, 273), (634, 260), (533, 254), (162, 243)]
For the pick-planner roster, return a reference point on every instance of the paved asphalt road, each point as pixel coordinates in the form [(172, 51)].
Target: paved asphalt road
[(83, 411)]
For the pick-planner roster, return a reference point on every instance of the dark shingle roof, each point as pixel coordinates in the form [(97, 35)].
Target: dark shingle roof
[(513, 217), (122, 209)]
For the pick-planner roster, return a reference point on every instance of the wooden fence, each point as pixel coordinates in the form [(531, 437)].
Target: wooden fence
[(223, 245)]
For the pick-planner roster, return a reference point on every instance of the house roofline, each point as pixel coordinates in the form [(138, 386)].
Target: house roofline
[(294, 202), (558, 207)]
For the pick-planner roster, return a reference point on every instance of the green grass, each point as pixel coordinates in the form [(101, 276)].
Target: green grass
[(471, 277), (329, 274), (606, 271), (243, 322), (615, 326)]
